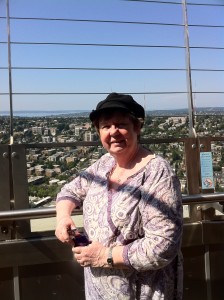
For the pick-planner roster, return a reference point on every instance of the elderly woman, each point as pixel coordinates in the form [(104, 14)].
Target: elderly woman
[(132, 212)]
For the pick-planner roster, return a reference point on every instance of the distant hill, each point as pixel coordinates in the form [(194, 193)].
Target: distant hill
[(184, 111), (85, 113)]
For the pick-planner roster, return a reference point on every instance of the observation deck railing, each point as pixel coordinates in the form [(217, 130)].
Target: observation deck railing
[(27, 250)]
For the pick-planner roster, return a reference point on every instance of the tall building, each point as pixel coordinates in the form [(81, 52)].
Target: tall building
[(90, 137), (37, 130)]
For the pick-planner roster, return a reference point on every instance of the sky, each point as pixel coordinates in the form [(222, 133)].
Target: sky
[(83, 89)]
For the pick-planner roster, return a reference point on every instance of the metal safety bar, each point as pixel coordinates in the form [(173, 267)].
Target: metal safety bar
[(33, 213)]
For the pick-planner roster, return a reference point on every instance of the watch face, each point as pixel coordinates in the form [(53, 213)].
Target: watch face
[(110, 258), (110, 261)]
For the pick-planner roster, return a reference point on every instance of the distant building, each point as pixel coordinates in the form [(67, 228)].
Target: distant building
[(54, 157), (57, 169), (53, 181), (42, 202), (183, 184), (49, 172), (90, 137), (78, 130), (70, 159), (72, 126), (37, 130), (35, 157), (63, 158), (61, 139), (36, 180), (37, 167), (34, 151), (46, 139), (46, 131), (87, 125), (29, 164), (30, 171), (39, 170), (62, 182), (71, 140), (53, 131), (177, 120), (50, 151)]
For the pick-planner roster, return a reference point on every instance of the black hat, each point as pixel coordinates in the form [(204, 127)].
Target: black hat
[(119, 101)]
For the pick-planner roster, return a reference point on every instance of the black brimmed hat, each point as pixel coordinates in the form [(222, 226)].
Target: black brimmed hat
[(118, 101)]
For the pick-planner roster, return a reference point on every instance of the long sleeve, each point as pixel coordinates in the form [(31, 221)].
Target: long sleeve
[(77, 189), (161, 211)]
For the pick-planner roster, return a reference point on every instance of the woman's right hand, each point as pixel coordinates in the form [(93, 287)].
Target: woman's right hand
[(61, 232)]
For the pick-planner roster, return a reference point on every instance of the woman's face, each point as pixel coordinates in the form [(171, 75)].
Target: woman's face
[(118, 133)]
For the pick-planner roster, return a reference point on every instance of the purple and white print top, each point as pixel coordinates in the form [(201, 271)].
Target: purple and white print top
[(144, 215)]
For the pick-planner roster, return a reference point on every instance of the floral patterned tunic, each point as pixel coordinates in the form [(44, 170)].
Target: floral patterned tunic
[(144, 215)]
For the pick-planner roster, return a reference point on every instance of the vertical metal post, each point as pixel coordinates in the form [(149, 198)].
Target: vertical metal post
[(10, 73), (208, 273), (16, 283), (192, 160), (192, 132), (20, 187), (5, 190)]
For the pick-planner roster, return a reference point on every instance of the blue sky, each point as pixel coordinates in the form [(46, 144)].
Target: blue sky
[(89, 81)]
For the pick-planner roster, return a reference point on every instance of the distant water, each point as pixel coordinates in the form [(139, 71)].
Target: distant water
[(30, 114), (67, 113)]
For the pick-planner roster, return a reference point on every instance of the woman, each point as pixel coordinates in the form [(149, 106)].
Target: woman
[(132, 212)]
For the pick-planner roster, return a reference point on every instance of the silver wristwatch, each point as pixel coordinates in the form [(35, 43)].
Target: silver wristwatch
[(110, 258)]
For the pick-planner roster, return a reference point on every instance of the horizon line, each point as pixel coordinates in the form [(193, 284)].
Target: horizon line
[(87, 110)]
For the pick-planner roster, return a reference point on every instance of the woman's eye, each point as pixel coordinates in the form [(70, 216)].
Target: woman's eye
[(122, 125), (119, 126)]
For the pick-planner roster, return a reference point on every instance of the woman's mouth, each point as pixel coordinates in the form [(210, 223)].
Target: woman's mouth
[(117, 142)]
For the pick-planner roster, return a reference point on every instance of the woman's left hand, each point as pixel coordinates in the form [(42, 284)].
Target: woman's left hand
[(94, 255)]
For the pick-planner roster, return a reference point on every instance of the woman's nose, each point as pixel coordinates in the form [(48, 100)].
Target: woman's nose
[(114, 130)]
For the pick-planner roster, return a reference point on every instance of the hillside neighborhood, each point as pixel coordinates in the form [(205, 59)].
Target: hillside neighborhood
[(50, 168)]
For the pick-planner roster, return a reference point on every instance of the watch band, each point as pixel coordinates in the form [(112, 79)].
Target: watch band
[(110, 258)]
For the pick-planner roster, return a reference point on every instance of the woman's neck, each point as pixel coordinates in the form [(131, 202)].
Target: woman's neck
[(126, 161)]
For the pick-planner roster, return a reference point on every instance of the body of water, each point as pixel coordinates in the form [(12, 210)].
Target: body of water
[(85, 113), (34, 114)]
